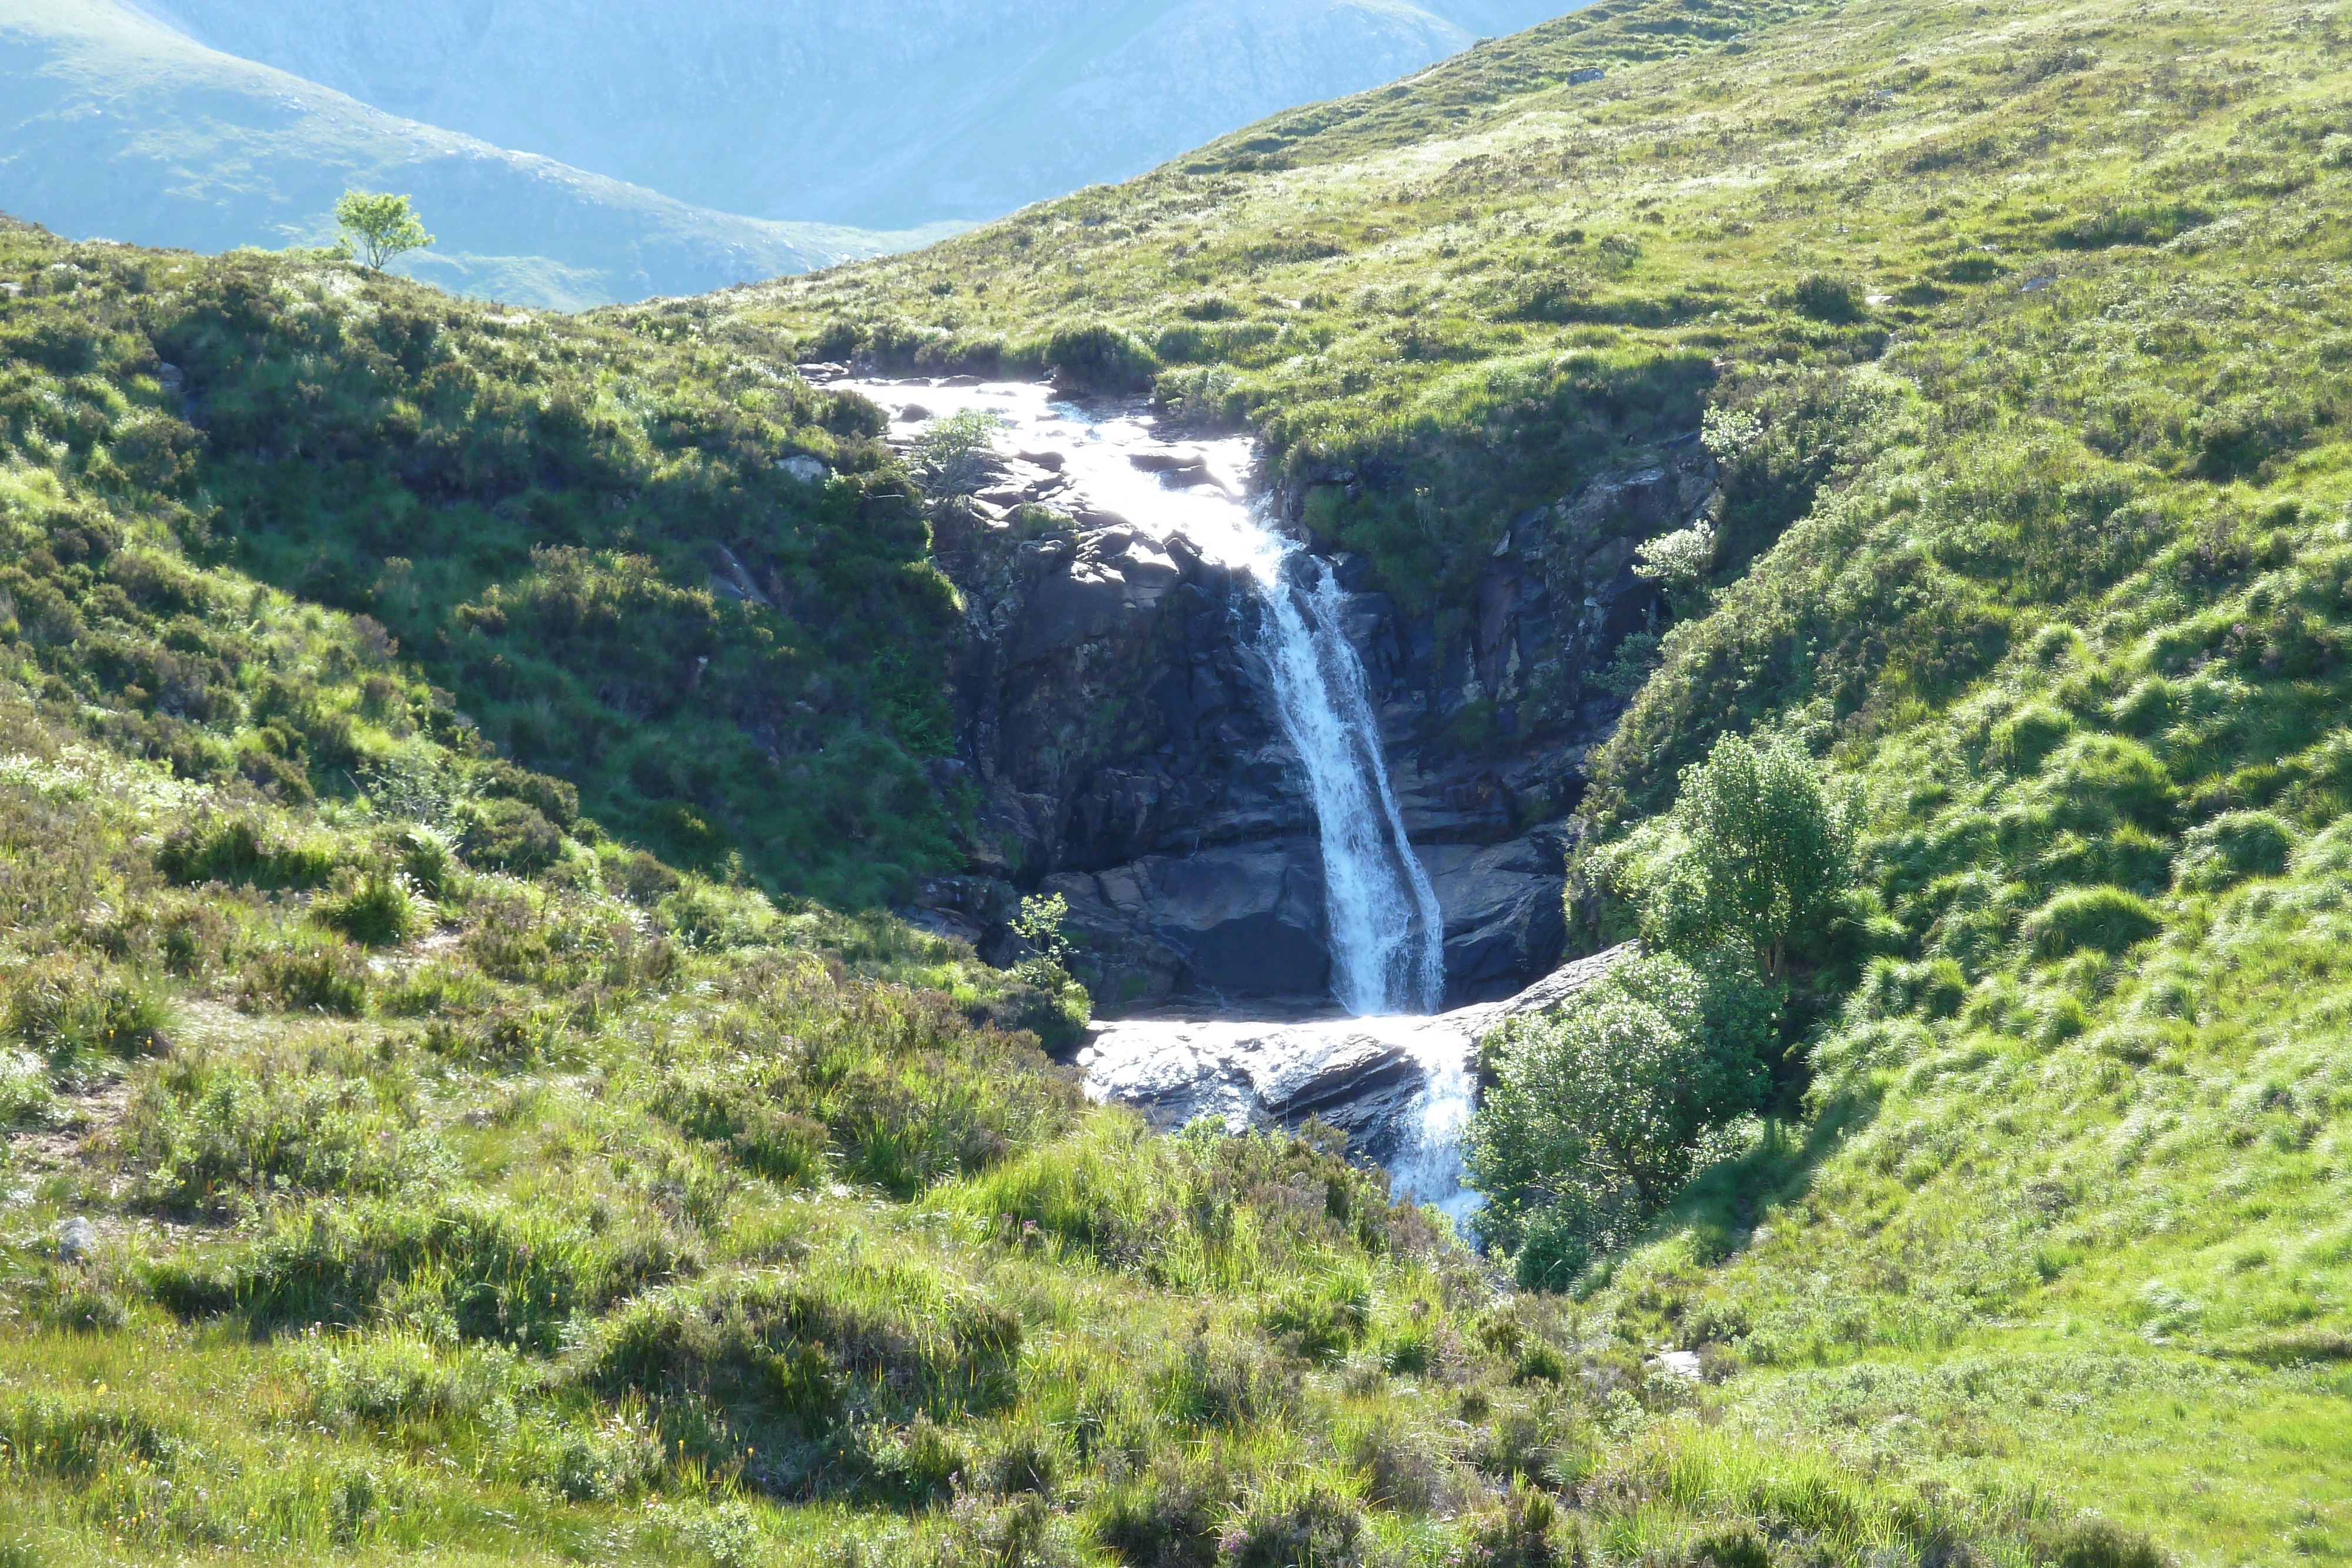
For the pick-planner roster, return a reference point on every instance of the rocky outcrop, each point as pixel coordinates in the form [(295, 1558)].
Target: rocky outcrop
[(1365, 1076), (1119, 745)]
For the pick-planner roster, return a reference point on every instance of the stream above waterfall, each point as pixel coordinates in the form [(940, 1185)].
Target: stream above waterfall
[(1106, 465)]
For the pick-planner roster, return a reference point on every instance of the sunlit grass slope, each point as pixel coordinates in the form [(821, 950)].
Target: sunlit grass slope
[(2026, 332)]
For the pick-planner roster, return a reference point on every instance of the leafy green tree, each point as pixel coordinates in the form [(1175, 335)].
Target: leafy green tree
[(1762, 851), (379, 227), (1600, 1111), (1040, 923)]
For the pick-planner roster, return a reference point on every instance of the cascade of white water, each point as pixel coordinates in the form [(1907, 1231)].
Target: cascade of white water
[(1387, 933)]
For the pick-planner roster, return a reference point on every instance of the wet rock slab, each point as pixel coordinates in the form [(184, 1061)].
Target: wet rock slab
[(1368, 1077), (1361, 1075)]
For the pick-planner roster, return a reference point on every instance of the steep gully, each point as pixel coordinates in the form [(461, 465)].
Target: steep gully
[(1233, 757)]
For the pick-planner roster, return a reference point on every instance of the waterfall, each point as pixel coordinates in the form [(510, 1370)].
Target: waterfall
[(1386, 931), (1387, 934)]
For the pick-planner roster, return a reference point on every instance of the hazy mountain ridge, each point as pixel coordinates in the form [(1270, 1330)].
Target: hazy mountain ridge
[(117, 127), (940, 109)]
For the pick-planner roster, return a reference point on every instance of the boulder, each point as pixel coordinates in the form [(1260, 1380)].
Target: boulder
[(1361, 1078), (1178, 468), (1368, 1077), (1240, 920), (76, 1240)]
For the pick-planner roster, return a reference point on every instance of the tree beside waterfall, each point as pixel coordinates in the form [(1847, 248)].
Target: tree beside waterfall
[(1759, 852), (1601, 1112)]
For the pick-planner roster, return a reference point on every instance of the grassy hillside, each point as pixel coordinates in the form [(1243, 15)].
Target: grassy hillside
[(401, 1167), (573, 546), (468, 1186), (117, 126), (2023, 335)]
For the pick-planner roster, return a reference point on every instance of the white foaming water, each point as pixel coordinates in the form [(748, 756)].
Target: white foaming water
[(1387, 932)]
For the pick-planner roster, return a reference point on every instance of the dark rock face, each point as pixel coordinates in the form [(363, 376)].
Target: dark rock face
[(1504, 922), (1117, 723)]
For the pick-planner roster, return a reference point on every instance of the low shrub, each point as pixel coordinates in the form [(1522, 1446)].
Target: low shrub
[(84, 1307), (2232, 848), (1525, 1533), (1030, 1458), (2099, 919), (552, 797), (506, 834), (1167, 1517), (1223, 1382), (311, 973), (621, 1455), (1100, 358), (81, 1017), (80, 1440), (741, 1115), (26, 1099), (801, 1353), (2095, 1543), (1321, 1319), (244, 850), (1825, 298), (1042, 999), (397, 1379), (1317, 1528), (914, 1466), (468, 1270), (2149, 223), (208, 1132), (377, 909)]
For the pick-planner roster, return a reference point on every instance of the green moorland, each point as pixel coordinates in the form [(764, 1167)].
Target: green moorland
[(469, 1181), (2023, 335)]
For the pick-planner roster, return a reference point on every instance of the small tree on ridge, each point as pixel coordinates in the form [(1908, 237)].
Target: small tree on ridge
[(379, 227)]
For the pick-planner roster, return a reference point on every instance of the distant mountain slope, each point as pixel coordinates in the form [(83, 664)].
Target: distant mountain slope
[(888, 116), (112, 124)]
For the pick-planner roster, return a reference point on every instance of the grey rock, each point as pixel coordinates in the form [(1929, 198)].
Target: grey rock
[(1679, 1364), (1359, 1077), (76, 1240), (1504, 914), (1239, 920)]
